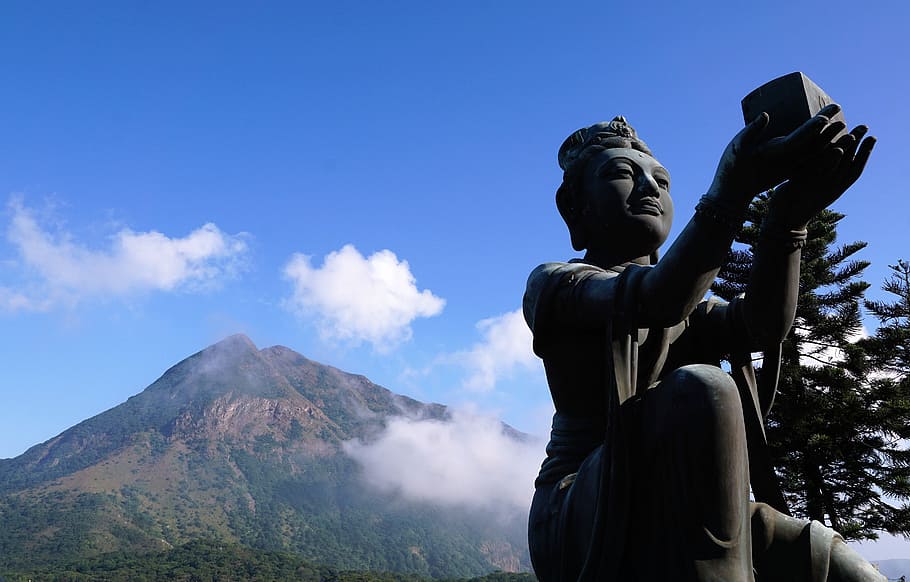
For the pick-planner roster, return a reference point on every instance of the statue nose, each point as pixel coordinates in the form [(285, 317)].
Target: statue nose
[(647, 185)]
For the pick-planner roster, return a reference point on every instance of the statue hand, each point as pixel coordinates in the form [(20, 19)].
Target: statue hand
[(750, 165), (822, 180)]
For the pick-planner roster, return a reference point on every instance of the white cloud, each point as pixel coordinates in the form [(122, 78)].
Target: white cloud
[(816, 355), (12, 300), (467, 462), (358, 299), (506, 346), (58, 269)]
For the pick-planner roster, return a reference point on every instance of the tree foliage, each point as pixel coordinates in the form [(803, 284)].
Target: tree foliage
[(889, 349), (213, 560), (836, 426), (887, 360)]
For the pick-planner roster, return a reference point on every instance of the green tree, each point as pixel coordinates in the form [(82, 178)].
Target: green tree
[(831, 432), (887, 357), (889, 348)]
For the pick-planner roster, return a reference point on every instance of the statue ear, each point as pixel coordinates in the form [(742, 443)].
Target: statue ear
[(571, 211)]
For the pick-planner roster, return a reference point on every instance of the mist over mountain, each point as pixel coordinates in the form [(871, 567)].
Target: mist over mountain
[(269, 449)]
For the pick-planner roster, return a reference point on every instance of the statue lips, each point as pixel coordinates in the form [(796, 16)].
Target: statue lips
[(650, 206)]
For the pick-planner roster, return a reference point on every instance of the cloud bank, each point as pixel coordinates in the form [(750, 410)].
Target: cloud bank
[(467, 462), (360, 299), (58, 269), (506, 347)]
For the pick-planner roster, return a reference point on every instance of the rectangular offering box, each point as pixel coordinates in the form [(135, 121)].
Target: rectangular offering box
[(789, 100)]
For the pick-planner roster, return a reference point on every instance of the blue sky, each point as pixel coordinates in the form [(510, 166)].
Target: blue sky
[(366, 183)]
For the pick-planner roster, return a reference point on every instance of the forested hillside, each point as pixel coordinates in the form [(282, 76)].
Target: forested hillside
[(214, 561)]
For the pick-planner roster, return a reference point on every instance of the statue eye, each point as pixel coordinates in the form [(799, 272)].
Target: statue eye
[(617, 172), (617, 169)]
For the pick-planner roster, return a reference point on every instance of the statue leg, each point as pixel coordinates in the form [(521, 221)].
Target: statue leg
[(544, 543), (562, 523), (691, 485)]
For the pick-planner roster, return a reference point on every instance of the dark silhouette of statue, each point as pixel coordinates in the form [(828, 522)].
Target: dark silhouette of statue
[(647, 474)]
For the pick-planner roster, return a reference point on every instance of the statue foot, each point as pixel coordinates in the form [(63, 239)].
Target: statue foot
[(786, 548), (848, 566)]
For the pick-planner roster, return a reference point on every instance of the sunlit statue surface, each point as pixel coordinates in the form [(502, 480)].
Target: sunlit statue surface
[(647, 473)]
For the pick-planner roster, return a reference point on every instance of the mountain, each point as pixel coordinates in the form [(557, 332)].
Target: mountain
[(246, 446)]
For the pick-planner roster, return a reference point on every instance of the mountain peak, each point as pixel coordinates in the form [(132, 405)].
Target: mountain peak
[(235, 342)]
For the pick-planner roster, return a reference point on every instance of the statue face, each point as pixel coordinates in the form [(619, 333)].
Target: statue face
[(626, 201)]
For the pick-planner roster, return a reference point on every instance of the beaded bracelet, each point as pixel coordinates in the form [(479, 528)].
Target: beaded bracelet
[(710, 208)]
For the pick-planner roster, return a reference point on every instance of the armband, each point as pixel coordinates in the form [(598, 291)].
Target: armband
[(790, 239)]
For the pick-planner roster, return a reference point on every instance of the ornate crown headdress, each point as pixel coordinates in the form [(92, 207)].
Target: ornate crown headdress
[(616, 133)]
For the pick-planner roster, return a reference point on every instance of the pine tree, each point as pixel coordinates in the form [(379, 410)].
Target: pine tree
[(887, 357), (830, 432), (889, 349)]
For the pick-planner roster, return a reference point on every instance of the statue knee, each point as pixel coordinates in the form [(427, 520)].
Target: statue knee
[(706, 405), (710, 384)]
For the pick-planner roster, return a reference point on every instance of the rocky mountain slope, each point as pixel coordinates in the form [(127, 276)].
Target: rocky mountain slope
[(243, 445)]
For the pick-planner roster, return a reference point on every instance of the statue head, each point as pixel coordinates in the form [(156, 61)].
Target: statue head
[(614, 193)]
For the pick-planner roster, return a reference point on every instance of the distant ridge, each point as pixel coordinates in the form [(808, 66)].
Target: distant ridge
[(244, 445), (894, 569)]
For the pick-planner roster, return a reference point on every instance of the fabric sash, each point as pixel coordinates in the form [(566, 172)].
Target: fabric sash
[(604, 559)]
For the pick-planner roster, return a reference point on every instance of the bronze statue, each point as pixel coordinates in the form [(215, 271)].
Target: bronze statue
[(647, 474)]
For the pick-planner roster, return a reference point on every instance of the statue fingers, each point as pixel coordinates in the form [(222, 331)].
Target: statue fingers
[(749, 135), (819, 121), (865, 150), (848, 144), (850, 141), (811, 135), (850, 165), (803, 141), (818, 126), (824, 164), (858, 163), (859, 131), (830, 132), (829, 110)]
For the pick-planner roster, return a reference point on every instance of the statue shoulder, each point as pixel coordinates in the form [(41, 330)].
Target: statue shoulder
[(547, 274), (548, 271), (546, 279)]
